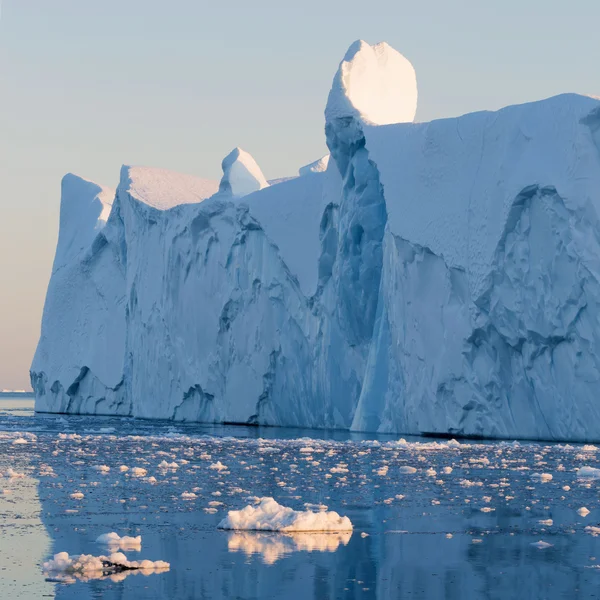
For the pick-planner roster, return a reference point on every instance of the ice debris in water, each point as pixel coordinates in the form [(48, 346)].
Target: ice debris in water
[(583, 512), (269, 515), (406, 470), (86, 566), (588, 473), (115, 541), (541, 545), (543, 477)]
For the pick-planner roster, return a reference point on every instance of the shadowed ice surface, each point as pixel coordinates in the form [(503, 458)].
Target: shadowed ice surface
[(432, 519)]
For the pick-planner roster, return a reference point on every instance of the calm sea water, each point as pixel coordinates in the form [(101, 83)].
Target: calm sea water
[(464, 525)]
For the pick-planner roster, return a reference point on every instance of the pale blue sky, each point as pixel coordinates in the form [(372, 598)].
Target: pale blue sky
[(86, 85)]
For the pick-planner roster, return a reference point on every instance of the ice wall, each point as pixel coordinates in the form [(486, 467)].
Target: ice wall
[(429, 278)]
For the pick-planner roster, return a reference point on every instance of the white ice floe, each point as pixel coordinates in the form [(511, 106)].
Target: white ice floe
[(541, 545), (116, 542), (543, 477), (406, 470), (218, 466), (588, 473), (595, 531), (139, 472), (268, 515), (86, 566), (583, 512)]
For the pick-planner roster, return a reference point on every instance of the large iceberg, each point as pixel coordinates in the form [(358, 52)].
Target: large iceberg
[(436, 278)]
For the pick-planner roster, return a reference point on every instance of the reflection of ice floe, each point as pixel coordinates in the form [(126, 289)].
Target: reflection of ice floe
[(115, 542), (273, 546), (268, 515), (85, 567)]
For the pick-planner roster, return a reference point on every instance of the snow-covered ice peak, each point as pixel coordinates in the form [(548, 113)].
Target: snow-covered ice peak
[(241, 174), (318, 166), (163, 189), (84, 210), (375, 83)]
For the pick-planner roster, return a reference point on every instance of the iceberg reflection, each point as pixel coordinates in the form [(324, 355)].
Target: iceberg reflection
[(274, 546)]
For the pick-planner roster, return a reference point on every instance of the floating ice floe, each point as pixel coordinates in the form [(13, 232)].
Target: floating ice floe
[(218, 466), (85, 566), (583, 512), (595, 531), (115, 542), (406, 470), (269, 515), (541, 545), (588, 473), (543, 477)]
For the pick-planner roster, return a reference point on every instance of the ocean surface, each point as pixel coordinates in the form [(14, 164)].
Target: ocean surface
[(432, 519)]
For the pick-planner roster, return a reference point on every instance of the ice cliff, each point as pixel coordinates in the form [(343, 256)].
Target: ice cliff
[(439, 278)]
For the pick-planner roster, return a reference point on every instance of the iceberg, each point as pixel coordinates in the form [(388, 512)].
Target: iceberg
[(435, 278)]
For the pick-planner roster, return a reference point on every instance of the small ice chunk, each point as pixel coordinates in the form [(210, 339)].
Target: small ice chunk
[(269, 515), (543, 477), (588, 473), (138, 472), (165, 465), (595, 531), (547, 522), (188, 495), (583, 512), (541, 545), (406, 470), (77, 495), (218, 466), (102, 468)]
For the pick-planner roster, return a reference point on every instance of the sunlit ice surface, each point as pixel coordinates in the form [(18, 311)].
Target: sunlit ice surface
[(431, 518)]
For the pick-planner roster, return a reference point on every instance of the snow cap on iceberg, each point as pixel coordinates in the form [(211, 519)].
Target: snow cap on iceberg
[(318, 166), (374, 83), (163, 189), (84, 210), (241, 174)]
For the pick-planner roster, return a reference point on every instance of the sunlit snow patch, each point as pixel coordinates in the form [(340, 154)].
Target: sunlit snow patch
[(269, 515)]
